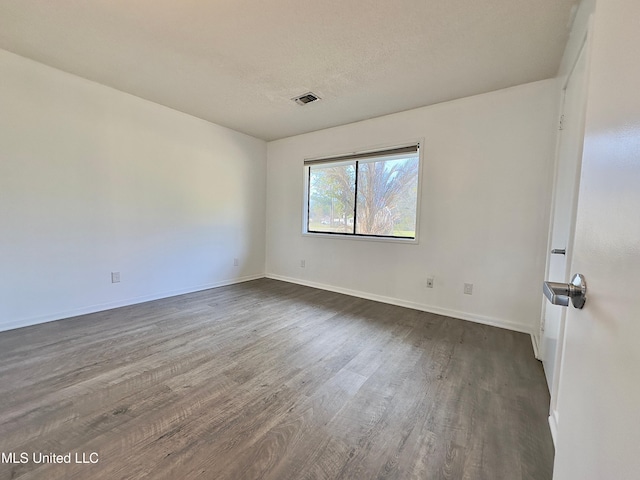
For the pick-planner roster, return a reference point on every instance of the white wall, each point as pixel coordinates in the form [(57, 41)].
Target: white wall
[(93, 180), (484, 220)]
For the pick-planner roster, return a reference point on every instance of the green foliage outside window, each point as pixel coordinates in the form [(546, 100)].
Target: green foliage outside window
[(376, 196)]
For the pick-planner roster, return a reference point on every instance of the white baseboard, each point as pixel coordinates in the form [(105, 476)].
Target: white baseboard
[(553, 426), (536, 346), (495, 322), (120, 303)]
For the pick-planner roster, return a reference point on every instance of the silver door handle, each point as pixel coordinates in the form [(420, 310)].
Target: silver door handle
[(559, 251), (561, 293)]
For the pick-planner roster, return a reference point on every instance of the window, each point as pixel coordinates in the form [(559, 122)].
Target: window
[(372, 194)]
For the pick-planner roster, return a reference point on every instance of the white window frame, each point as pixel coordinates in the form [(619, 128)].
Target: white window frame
[(362, 237)]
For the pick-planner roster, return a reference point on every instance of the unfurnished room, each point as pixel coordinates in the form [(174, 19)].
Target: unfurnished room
[(319, 240)]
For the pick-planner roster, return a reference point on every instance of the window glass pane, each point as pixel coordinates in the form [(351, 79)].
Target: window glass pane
[(387, 197), (331, 197)]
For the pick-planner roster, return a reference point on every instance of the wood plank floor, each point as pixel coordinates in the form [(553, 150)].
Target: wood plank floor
[(272, 380)]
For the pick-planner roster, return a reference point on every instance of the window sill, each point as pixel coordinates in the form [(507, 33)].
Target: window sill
[(406, 241)]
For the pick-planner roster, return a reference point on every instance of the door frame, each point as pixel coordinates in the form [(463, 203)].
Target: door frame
[(584, 49)]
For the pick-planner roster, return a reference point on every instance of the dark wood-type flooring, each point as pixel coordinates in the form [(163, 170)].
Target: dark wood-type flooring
[(272, 380)]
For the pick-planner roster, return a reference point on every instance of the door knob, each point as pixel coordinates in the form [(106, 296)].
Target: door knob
[(561, 293), (559, 251)]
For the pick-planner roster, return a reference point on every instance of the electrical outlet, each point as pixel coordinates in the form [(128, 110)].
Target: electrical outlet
[(303, 264), (235, 262), (430, 282), (468, 288), (115, 277)]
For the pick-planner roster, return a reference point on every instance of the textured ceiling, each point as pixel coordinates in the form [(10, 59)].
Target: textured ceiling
[(238, 63)]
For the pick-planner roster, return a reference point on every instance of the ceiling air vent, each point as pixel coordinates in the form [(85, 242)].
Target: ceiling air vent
[(306, 98)]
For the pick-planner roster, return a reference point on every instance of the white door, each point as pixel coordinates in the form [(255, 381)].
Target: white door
[(565, 197), (599, 390)]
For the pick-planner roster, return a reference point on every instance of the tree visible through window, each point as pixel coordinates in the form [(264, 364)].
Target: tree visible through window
[(368, 194)]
